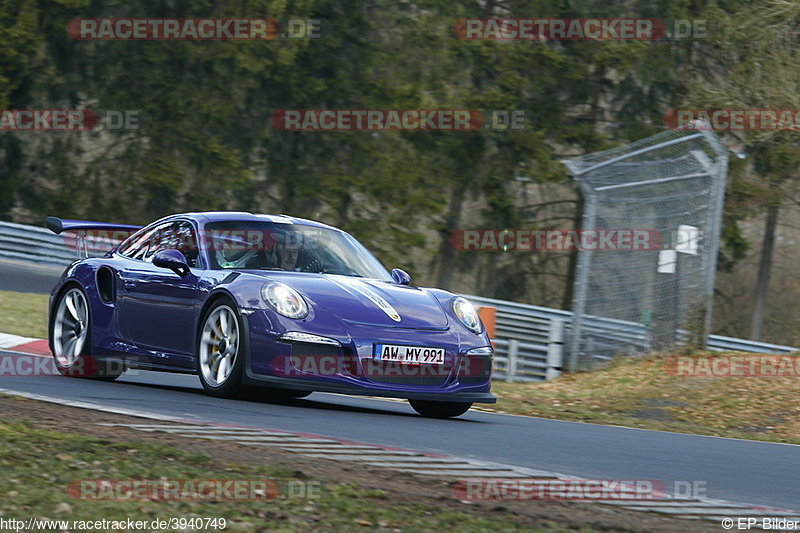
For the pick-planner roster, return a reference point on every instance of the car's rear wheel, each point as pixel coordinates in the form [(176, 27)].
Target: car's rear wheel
[(219, 358), (70, 334), (433, 409)]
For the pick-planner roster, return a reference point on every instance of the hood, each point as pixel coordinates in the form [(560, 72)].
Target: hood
[(364, 301)]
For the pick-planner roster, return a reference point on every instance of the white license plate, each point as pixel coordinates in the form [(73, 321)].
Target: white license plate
[(410, 355)]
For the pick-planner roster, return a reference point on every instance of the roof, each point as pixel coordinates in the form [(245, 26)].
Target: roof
[(205, 217)]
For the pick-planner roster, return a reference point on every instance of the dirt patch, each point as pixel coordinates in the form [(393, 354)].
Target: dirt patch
[(654, 409)]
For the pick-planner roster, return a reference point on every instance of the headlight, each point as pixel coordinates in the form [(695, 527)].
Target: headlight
[(483, 351), (467, 314), (299, 336), (284, 299)]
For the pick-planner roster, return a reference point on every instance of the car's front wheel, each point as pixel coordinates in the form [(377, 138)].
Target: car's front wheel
[(433, 409), (220, 359), (70, 336)]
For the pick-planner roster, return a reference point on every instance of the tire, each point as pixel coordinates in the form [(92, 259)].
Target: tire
[(220, 351), (432, 409), (70, 339)]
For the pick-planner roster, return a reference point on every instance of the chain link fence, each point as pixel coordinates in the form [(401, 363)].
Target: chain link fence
[(668, 190)]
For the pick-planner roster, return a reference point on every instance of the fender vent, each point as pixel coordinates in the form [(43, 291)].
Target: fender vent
[(105, 285)]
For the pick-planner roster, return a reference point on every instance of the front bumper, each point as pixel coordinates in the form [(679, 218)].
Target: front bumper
[(264, 355), (253, 379)]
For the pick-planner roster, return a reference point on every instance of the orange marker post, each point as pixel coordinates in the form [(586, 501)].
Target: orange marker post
[(488, 316)]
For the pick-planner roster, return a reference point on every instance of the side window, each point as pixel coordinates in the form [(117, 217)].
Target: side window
[(142, 247), (158, 241), (135, 244), (179, 235), (186, 242), (127, 244)]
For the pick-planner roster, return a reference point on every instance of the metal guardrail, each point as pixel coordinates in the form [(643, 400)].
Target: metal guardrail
[(529, 340), (38, 245), (523, 333), (719, 343)]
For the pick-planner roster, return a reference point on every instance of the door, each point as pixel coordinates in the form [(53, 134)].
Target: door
[(157, 306)]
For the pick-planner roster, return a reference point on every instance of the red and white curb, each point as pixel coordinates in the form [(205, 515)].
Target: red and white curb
[(27, 345)]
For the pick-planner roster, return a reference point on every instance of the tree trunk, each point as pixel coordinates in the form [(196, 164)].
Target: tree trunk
[(764, 271), (446, 252)]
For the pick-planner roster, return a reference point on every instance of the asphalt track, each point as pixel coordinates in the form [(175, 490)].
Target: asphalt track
[(736, 470), (28, 277)]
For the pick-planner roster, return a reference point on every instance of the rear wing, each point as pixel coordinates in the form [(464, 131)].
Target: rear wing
[(60, 225)]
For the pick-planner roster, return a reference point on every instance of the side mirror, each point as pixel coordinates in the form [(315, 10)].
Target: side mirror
[(401, 276), (173, 260)]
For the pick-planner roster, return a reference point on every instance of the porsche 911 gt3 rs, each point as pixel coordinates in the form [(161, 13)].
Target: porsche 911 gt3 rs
[(249, 300)]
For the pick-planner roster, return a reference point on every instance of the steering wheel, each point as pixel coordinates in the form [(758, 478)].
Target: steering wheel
[(315, 265)]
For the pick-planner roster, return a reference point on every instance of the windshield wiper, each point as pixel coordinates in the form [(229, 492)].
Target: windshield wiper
[(335, 273)]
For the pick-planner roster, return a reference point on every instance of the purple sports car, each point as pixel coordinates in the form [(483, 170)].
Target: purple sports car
[(248, 300)]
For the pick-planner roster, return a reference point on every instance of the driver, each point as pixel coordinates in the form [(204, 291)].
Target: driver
[(287, 250), (234, 252), (235, 258)]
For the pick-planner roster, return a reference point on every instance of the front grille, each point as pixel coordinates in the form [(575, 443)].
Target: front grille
[(404, 374), (310, 358), (311, 349), (474, 370)]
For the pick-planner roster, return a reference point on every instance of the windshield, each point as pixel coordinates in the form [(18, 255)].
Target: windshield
[(292, 247)]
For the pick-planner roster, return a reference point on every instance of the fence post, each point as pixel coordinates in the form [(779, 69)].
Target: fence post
[(555, 349), (513, 349), (712, 240), (581, 284)]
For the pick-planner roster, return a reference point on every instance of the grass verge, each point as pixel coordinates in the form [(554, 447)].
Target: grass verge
[(39, 464), (23, 313), (639, 392)]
